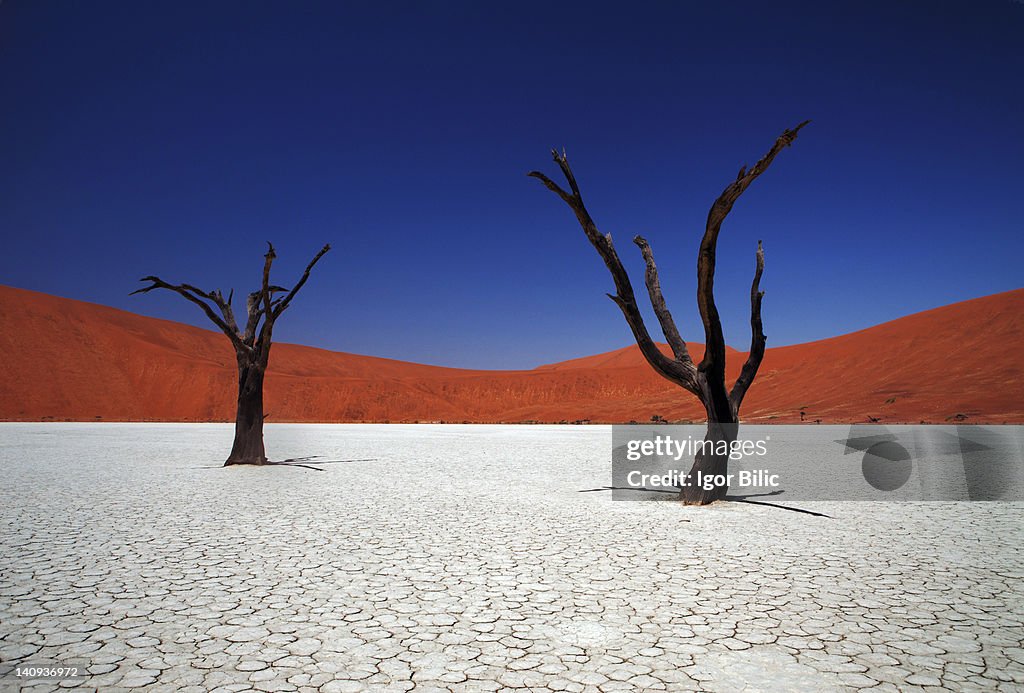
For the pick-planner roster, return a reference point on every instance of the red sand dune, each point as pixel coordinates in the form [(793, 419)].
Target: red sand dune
[(65, 359)]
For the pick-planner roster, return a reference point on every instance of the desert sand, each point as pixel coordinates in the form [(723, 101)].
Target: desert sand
[(69, 360)]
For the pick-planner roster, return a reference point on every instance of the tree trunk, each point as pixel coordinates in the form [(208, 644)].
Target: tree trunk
[(710, 462), (248, 446)]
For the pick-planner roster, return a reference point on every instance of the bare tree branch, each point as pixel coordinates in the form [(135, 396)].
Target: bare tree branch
[(624, 297), (552, 186), (266, 332), (225, 308), (714, 350), (194, 295), (253, 313), (268, 260), (286, 301), (757, 337), (668, 323)]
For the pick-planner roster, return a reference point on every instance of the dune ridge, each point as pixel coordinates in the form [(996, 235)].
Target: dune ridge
[(70, 360)]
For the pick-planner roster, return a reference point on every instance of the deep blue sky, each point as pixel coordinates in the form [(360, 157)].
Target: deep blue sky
[(175, 138)]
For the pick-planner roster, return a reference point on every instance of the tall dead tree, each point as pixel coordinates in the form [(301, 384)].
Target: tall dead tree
[(252, 346), (705, 380)]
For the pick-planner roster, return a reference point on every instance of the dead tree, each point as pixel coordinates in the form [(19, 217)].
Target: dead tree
[(252, 346), (705, 380)]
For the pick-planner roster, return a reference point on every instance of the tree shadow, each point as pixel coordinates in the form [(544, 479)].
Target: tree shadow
[(755, 495), (734, 499), (674, 492), (290, 462), (746, 499)]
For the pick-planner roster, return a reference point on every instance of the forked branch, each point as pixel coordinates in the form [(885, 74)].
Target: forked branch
[(262, 309), (198, 297), (225, 308), (679, 371), (706, 380)]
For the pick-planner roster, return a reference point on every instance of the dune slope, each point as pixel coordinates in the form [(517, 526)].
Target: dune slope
[(66, 359)]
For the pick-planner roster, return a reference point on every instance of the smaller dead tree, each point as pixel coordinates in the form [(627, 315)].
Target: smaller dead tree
[(251, 344), (706, 380)]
